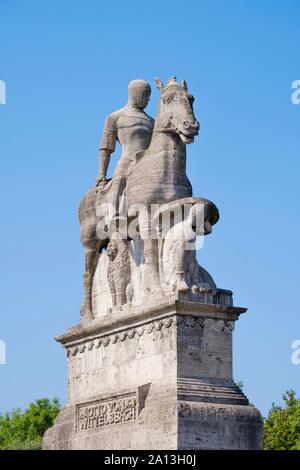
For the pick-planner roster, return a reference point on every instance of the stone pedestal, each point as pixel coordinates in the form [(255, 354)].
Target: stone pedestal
[(158, 378)]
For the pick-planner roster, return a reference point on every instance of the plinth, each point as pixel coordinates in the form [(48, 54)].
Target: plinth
[(155, 378)]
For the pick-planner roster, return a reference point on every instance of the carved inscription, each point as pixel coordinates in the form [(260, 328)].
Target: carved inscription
[(106, 412)]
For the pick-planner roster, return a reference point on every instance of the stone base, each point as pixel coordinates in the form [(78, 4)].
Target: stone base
[(155, 379)]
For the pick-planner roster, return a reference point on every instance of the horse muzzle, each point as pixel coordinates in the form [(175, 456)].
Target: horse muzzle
[(188, 131)]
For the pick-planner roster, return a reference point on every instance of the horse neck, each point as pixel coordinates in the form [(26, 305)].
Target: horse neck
[(168, 142)]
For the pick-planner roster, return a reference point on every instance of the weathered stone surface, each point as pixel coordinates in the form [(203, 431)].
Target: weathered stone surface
[(151, 173), (216, 427), (158, 380), (150, 363)]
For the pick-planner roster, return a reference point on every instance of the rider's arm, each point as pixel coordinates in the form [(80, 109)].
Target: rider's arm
[(107, 146)]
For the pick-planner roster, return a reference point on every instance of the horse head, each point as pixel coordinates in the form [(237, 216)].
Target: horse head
[(175, 112)]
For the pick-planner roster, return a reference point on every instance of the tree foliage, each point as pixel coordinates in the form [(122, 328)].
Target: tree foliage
[(25, 430), (282, 426)]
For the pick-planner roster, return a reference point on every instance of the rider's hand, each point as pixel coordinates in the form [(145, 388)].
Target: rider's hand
[(100, 178)]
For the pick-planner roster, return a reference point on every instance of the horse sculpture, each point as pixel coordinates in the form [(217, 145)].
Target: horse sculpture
[(158, 176)]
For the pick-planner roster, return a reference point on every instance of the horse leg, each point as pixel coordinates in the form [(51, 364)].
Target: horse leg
[(151, 257), (91, 255)]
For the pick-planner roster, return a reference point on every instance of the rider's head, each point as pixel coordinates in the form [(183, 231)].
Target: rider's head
[(139, 92)]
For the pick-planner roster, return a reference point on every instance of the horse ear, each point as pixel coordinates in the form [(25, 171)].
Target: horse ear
[(159, 84), (184, 84)]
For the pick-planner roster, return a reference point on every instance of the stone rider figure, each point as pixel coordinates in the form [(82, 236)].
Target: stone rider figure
[(132, 128)]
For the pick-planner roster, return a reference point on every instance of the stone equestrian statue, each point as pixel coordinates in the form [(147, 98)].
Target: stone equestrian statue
[(150, 363), (151, 170)]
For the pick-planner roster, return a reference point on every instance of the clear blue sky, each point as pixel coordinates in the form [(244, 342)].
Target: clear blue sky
[(66, 66)]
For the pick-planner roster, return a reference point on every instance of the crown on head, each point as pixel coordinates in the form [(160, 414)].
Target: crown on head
[(172, 82)]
